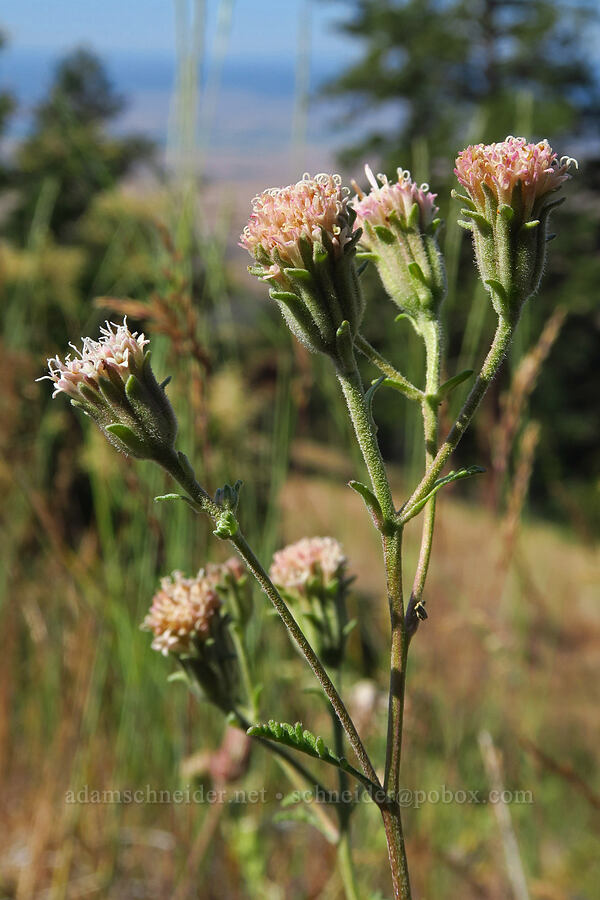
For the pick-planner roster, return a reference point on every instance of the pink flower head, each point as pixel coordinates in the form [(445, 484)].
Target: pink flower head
[(317, 557), (503, 165), (394, 199), (118, 350), (182, 611), (281, 217)]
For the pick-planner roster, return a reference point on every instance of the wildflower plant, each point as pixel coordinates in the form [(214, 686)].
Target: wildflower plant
[(306, 240)]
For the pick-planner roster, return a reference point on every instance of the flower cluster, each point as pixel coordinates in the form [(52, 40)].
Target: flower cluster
[(182, 612), (112, 382), (303, 241), (313, 210), (312, 575), (503, 165), (509, 186), (398, 221), (117, 352), (387, 201), (295, 566)]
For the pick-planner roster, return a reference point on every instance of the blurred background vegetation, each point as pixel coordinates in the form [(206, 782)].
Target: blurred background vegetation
[(95, 222)]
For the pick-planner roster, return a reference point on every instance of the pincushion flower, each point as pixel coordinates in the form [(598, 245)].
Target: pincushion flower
[(510, 187), (503, 166), (110, 379), (309, 559), (182, 612), (188, 620), (303, 241), (312, 575), (398, 221), (388, 201)]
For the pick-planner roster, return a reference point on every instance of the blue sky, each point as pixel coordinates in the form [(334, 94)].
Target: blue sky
[(251, 53), (260, 28)]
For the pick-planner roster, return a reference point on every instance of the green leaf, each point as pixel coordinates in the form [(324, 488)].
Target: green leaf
[(226, 525), (479, 219), (135, 390), (448, 386), (371, 501), (179, 675), (228, 496), (384, 234), (447, 479), (297, 274), (456, 195), (128, 438), (186, 465), (370, 393), (417, 272), (409, 390), (299, 738), (185, 499), (413, 217), (349, 627), (344, 345), (498, 288)]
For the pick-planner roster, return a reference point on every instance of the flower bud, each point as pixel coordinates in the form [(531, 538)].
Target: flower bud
[(189, 621), (302, 239), (112, 382), (312, 576), (511, 187), (399, 222)]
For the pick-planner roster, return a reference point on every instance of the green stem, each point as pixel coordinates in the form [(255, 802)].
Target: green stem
[(392, 823), (344, 810), (240, 649), (203, 502), (291, 766), (247, 554), (432, 337), (392, 819), (365, 433), (406, 386), (346, 865), (489, 369), (392, 551)]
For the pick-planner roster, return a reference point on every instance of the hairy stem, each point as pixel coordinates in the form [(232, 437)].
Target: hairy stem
[(344, 810), (429, 406), (392, 551), (247, 554), (364, 428), (489, 369), (346, 865), (291, 766), (392, 820), (203, 502), (392, 823), (406, 386)]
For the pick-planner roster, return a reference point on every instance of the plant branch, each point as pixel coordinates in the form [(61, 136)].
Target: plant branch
[(429, 406), (184, 475), (402, 383), (364, 428), (490, 367), (392, 551)]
